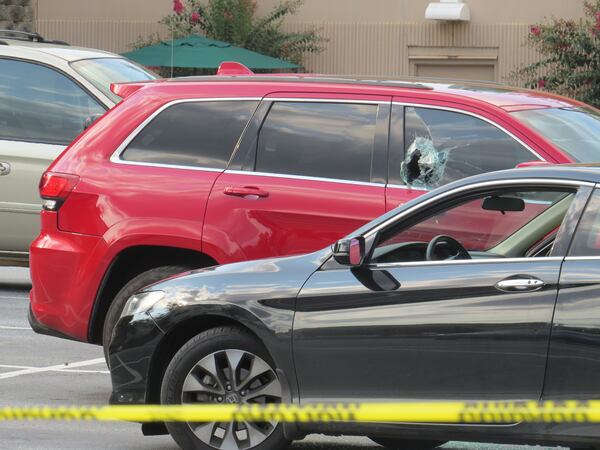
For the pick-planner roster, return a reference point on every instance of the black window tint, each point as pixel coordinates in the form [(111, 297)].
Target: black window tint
[(327, 140), (201, 134), (454, 146), (587, 237), (39, 104)]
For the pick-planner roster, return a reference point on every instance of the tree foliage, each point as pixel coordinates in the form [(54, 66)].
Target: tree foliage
[(570, 56), (236, 22)]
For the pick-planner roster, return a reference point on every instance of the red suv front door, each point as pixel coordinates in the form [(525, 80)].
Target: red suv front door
[(307, 172), (434, 145)]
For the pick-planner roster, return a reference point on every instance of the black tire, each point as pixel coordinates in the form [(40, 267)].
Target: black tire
[(200, 346), (406, 444), (134, 285)]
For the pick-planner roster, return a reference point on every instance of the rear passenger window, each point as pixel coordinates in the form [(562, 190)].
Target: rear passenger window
[(444, 146), (325, 140), (587, 237), (199, 134)]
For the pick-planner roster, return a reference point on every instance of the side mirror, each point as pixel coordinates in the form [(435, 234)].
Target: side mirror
[(350, 252)]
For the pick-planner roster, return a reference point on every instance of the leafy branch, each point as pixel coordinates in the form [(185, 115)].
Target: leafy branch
[(570, 56), (235, 22)]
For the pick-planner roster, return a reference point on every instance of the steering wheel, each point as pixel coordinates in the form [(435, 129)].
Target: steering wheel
[(454, 249)]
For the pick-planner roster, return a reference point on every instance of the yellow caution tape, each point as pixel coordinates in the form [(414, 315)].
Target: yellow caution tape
[(423, 412)]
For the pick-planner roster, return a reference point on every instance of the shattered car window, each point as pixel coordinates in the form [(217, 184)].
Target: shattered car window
[(444, 146), (424, 166)]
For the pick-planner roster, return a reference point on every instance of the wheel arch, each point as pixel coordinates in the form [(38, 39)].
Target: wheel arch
[(182, 333), (130, 262)]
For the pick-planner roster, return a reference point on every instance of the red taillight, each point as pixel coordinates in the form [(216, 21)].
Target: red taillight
[(55, 188)]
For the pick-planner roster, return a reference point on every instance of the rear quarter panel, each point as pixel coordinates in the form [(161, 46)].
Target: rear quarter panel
[(119, 201)]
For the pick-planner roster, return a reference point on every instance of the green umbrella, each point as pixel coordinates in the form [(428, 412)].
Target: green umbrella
[(200, 52)]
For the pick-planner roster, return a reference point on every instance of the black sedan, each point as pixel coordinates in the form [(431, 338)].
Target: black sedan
[(486, 289)]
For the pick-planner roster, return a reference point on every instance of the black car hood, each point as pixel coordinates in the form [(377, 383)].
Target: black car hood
[(239, 282)]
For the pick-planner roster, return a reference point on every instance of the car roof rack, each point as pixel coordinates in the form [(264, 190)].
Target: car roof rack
[(28, 36), (229, 70), (282, 78)]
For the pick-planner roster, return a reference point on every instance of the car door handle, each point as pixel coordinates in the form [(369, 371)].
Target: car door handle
[(249, 192), (4, 168), (521, 283)]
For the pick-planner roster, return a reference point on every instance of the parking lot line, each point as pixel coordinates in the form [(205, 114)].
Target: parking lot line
[(11, 366), (4, 327), (58, 367), (103, 372)]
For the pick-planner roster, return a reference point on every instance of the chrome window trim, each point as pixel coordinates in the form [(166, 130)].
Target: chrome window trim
[(318, 100), (116, 156), (328, 100), (377, 102), (483, 184), (582, 258), (169, 166), (303, 177), (477, 116), (407, 187), (464, 262)]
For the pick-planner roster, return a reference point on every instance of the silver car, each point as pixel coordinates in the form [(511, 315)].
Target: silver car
[(48, 92)]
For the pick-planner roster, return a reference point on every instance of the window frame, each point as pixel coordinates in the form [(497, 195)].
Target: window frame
[(398, 138), (577, 229), (438, 202), (66, 75), (116, 156), (244, 159)]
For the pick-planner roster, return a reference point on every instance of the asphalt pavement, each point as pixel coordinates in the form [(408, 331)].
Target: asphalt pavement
[(39, 370)]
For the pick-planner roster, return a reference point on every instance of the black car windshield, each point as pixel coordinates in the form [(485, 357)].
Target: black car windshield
[(102, 72), (576, 131)]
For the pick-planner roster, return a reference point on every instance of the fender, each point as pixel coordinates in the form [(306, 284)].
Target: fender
[(258, 297), (279, 343)]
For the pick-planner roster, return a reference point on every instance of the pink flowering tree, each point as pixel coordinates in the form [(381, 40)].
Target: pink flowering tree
[(570, 56), (236, 22)]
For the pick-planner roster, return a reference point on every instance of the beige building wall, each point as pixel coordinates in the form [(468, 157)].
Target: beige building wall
[(111, 25), (413, 11), (370, 37)]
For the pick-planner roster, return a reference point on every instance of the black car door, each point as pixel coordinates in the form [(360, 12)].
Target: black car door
[(573, 359), (401, 327)]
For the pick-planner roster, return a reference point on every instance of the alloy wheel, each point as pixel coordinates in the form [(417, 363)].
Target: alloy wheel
[(231, 377)]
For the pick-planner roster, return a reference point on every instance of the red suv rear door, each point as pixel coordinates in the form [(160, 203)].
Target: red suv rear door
[(309, 170)]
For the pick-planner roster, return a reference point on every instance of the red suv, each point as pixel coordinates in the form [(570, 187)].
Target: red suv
[(201, 171)]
